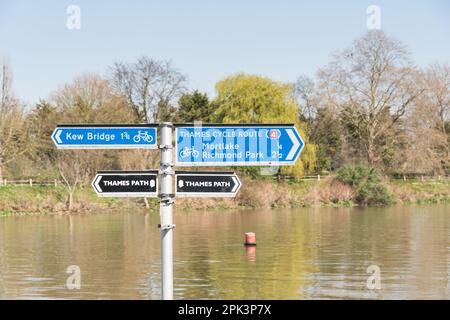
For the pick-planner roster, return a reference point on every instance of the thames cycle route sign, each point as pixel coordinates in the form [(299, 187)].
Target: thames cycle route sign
[(208, 145), (237, 145)]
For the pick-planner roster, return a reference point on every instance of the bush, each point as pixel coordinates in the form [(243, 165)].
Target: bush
[(367, 184)]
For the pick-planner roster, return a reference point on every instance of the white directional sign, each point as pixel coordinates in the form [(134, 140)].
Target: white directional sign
[(206, 184), (237, 145), (126, 183), (105, 136)]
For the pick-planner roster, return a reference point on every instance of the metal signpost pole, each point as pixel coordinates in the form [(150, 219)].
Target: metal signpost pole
[(166, 206)]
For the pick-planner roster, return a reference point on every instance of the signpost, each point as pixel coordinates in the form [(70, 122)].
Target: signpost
[(209, 145), (126, 183), (237, 145), (105, 136), (206, 184)]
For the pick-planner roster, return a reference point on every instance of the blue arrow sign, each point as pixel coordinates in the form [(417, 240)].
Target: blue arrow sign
[(105, 137), (237, 145)]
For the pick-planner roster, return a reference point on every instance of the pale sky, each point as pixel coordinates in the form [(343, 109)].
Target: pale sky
[(206, 40)]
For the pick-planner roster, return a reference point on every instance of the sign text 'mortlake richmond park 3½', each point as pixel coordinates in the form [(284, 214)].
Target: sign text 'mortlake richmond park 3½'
[(195, 145)]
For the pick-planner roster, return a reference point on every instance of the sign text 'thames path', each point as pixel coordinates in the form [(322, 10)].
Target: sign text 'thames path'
[(105, 136), (237, 145), (206, 184), (126, 183)]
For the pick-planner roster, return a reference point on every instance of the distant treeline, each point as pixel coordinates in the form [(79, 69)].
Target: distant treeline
[(370, 104)]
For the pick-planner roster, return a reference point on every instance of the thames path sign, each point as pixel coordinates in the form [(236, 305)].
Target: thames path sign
[(126, 183), (105, 136), (206, 184), (237, 145)]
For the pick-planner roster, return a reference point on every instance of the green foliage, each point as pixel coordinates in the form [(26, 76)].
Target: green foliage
[(367, 183), (325, 133), (352, 175), (245, 98), (253, 99), (43, 119), (193, 107)]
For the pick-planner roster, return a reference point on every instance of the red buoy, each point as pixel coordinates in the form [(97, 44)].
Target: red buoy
[(250, 239)]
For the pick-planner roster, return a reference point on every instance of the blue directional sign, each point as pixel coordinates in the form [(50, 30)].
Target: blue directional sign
[(237, 145), (105, 137)]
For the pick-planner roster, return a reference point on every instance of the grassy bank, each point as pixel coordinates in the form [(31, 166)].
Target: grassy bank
[(25, 199), (261, 193)]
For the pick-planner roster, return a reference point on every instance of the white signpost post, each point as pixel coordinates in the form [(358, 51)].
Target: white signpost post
[(209, 145)]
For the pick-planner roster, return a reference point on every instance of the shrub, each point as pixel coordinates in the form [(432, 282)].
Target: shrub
[(367, 184)]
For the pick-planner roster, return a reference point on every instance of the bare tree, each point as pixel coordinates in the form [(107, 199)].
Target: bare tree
[(425, 142), (88, 99), (69, 166), (373, 84), (304, 92), (149, 86), (427, 123), (13, 130), (437, 84)]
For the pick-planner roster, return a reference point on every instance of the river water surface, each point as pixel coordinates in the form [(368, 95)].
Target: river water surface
[(300, 254)]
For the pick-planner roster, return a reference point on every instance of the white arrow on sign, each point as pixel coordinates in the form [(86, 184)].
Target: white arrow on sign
[(97, 184), (58, 133), (296, 145), (138, 183), (237, 184)]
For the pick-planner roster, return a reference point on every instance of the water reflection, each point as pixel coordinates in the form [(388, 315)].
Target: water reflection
[(251, 253), (304, 253)]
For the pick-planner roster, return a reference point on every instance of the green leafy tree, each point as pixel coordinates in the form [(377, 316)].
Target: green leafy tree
[(193, 106), (43, 119), (326, 133), (253, 99), (245, 98), (367, 183)]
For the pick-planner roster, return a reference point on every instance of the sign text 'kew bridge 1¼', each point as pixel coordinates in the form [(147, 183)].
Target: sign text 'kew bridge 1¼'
[(105, 137)]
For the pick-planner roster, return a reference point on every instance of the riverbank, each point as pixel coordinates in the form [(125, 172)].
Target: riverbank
[(259, 193)]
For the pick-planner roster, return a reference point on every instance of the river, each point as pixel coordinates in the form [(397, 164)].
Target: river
[(316, 253)]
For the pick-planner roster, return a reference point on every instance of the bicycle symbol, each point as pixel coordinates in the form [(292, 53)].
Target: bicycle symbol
[(187, 152), (144, 136)]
